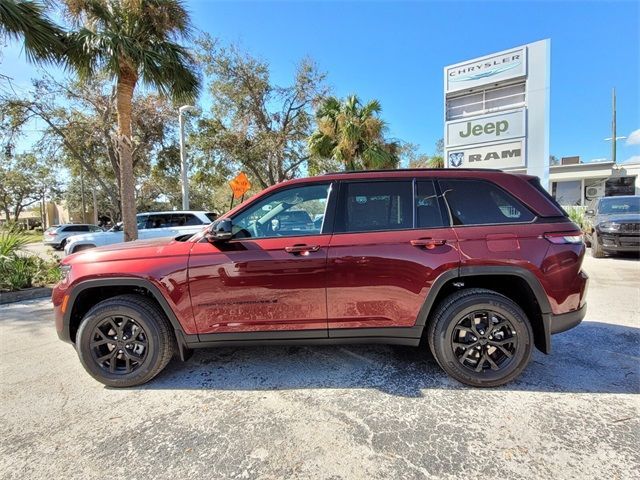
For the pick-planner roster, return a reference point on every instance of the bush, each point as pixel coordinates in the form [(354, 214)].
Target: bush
[(19, 269), (577, 216)]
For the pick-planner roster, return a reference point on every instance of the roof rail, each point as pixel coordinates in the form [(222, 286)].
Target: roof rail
[(417, 170)]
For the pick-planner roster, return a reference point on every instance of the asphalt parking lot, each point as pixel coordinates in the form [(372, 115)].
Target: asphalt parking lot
[(330, 412)]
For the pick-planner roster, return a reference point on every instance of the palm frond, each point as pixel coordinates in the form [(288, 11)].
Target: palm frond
[(26, 19)]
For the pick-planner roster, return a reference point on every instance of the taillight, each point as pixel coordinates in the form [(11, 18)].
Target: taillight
[(564, 237)]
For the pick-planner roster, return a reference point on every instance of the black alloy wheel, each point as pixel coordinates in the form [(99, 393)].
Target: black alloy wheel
[(119, 345), (480, 337), (125, 341), (484, 339)]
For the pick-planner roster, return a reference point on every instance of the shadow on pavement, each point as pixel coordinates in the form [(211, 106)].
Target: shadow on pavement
[(592, 358)]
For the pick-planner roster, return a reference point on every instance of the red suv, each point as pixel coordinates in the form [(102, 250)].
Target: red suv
[(481, 264)]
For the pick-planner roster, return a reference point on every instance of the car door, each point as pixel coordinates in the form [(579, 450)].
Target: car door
[(391, 241), (270, 276)]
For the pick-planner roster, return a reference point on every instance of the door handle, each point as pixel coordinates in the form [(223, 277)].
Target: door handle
[(428, 243), (302, 249)]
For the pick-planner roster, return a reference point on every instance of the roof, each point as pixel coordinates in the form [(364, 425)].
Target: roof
[(351, 172), (169, 212)]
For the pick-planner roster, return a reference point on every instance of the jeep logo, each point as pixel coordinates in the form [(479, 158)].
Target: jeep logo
[(496, 128)]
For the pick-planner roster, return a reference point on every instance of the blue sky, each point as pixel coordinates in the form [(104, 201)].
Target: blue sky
[(395, 52)]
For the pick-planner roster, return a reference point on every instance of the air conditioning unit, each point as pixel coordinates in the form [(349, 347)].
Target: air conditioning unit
[(595, 191)]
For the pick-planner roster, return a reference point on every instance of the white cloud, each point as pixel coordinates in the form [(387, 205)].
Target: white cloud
[(634, 138), (632, 159)]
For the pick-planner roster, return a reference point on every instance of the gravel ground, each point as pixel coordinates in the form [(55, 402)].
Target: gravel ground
[(330, 412)]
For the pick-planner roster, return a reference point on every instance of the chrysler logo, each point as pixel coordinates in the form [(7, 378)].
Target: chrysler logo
[(484, 69)]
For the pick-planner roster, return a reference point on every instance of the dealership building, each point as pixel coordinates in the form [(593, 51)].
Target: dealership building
[(496, 115)]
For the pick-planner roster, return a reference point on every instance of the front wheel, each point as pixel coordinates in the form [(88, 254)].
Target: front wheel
[(481, 338), (125, 341)]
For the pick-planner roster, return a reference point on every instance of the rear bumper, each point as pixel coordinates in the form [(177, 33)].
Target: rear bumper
[(566, 321)]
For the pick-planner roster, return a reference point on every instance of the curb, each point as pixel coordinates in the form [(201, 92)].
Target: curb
[(27, 294)]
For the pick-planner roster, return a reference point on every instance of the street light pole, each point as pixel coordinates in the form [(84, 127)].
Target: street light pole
[(183, 157), (613, 137)]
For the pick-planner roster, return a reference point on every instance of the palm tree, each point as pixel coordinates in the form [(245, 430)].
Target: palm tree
[(43, 39), (352, 134), (132, 41)]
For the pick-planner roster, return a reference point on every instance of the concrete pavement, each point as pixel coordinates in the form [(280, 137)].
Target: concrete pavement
[(330, 412)]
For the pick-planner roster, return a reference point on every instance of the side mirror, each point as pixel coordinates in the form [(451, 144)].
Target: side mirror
[(590, 212), (220, 231)]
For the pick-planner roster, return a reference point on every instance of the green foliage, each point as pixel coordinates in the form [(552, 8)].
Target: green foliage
[(352, 134), (413, 159), (12, 240), (24, 179), (19, 269), (134, 39), (577, 216), (25, 19), (254, 124)]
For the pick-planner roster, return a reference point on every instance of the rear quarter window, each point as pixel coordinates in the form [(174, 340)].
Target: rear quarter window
[(476, 202)]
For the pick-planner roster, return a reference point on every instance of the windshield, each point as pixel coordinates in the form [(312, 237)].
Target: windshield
[(619, 205)]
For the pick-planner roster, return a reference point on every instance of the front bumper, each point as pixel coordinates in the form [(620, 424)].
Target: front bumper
[(619, 241)]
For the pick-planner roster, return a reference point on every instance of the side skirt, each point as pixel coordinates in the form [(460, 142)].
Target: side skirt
[(409, 336)]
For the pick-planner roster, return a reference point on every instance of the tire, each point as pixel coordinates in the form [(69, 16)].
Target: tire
[(447, 326), (63, 243), (154, 332), (596, 248)]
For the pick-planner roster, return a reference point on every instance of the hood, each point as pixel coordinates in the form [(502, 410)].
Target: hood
[(618, 218), (136, 250)]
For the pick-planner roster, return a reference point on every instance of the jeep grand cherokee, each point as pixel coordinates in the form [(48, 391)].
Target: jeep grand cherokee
[(482, 265)]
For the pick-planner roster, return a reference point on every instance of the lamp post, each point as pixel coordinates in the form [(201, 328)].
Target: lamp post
[(613, 137), (183, 157)]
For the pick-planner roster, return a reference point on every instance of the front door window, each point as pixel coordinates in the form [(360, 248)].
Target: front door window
[(293, 212)]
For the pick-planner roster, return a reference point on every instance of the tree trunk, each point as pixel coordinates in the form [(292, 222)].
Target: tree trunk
[(124, 97)]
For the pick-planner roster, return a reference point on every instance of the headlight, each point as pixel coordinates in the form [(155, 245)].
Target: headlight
[(609, 226), (64, 272)]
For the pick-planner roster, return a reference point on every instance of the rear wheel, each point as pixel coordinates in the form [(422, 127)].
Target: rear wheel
[(596, 248), (481, 338), (125, 341)]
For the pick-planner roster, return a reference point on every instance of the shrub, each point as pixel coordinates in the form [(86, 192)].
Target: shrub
[(19, 269), (577, 216), (12, 240)]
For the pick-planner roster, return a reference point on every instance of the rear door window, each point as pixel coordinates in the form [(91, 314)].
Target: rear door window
[(184, 219), (375, 206), (159, 221), (428, 211), (476, 202)]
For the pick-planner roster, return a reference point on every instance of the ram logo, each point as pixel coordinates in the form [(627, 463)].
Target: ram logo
[(455, 159)]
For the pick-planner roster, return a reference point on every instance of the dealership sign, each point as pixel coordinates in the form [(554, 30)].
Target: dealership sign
[(492, 68), (489, 128), (501, 156)]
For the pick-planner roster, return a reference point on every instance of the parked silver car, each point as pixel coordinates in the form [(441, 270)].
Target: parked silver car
[(56, 235), (150, 225)]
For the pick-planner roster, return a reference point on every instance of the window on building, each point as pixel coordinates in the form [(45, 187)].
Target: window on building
[(567, 193), (486, 101)]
